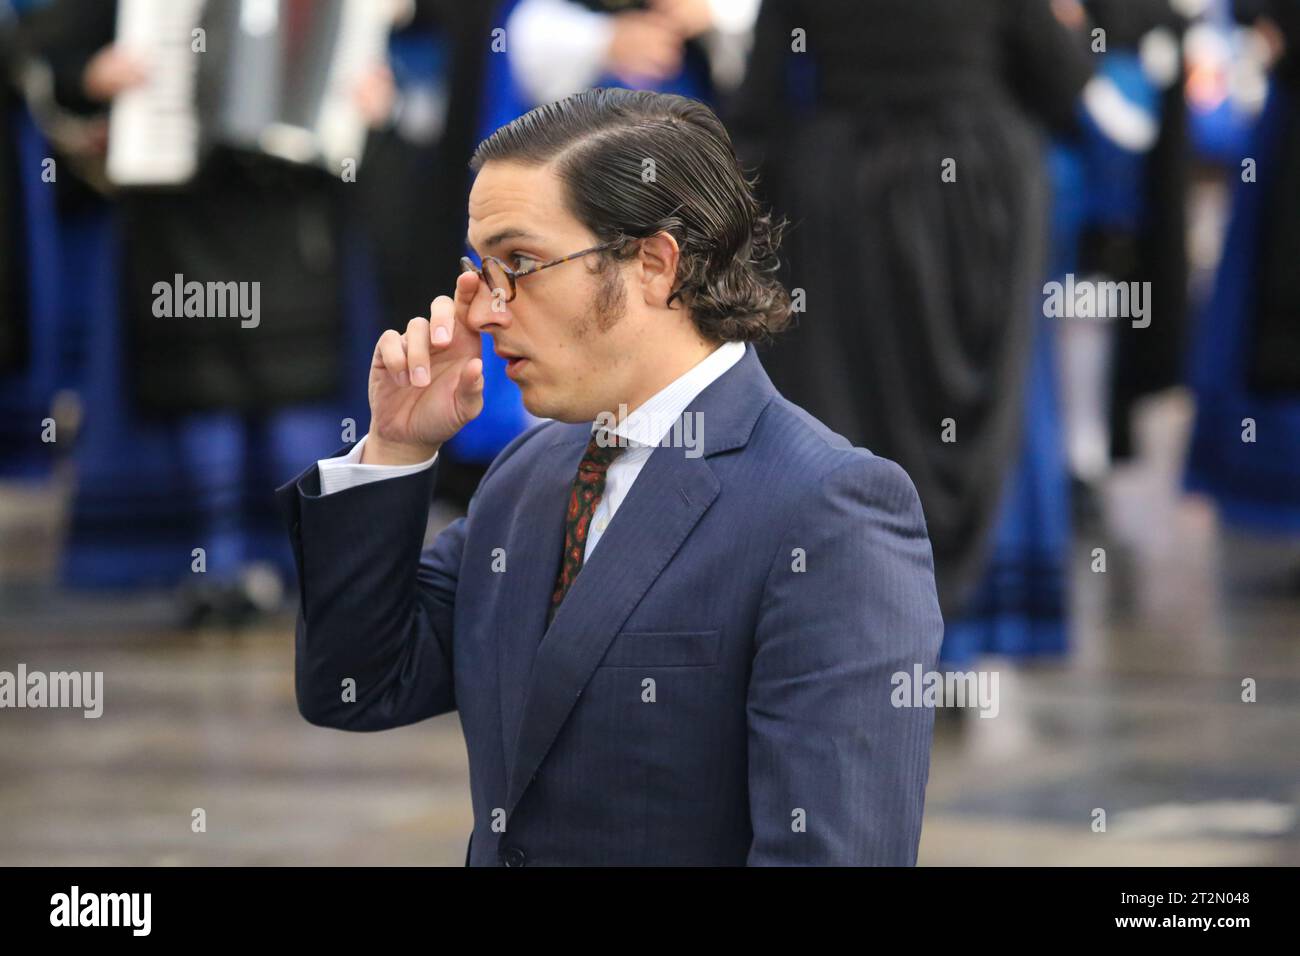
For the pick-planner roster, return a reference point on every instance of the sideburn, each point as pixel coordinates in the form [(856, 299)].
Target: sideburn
[(610, 301)]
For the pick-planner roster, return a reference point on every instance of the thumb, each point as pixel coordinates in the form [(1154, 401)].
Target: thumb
[(469, 390)]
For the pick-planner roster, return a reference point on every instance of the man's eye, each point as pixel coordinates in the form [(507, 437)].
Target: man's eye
[(520, 262)]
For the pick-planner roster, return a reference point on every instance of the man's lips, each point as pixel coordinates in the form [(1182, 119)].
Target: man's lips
[(514, 361)]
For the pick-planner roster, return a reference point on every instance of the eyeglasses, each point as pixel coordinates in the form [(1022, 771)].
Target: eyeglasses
[(497, 275)]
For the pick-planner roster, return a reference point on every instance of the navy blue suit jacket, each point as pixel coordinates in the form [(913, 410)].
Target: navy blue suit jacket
[(715, 687)]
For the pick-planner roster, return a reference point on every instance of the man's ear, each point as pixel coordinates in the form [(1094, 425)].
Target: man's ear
[(658, 260)]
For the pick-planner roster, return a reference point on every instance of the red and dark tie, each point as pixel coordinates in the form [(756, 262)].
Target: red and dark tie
[(584, 495)]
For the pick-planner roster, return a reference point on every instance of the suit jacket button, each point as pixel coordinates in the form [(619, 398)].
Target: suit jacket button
[(512, 856)]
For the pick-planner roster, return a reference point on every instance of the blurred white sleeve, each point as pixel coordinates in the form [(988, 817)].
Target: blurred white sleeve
[(346, 471), (729, 41), (734, 16), (556, 48)]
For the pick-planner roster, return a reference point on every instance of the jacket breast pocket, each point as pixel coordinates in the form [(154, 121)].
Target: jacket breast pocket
[(662, 649)]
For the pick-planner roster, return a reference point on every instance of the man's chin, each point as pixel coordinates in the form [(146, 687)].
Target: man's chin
[(535, 405), (538, 406)]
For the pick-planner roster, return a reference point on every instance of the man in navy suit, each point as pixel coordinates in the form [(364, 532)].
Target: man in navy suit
[(671, 619)]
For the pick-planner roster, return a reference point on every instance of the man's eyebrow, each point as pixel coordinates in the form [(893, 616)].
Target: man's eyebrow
[(500, 237)]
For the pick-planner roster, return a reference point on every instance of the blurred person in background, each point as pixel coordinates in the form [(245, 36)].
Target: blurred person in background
[(1246, 360), (187, 421), (1134, 167), (690, 47), (905, 141), (413, 193), (49, 221)]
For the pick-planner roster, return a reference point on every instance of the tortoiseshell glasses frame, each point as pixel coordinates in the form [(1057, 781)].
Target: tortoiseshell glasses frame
[(496, 274)]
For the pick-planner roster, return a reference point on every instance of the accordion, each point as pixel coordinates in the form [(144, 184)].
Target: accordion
[(276, 77)]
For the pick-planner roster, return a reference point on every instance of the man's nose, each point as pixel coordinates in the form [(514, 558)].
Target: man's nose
[(489, 310)]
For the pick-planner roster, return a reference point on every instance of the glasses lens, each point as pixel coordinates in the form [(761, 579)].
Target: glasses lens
[(496, 277)]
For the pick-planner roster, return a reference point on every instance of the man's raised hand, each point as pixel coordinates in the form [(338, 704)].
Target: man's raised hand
[(425, 383)]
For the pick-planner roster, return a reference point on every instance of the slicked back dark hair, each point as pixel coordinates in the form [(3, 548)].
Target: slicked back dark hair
[(637, 163)]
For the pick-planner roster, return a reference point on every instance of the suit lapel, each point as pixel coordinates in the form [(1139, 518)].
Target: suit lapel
[(666, 501), (533, 548)]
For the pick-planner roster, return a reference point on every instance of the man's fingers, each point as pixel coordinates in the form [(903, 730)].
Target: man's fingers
[(467, 284), (417, 351), (442, 318), (392, 356)]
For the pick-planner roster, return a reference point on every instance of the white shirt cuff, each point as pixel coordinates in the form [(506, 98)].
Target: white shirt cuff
[(346, 471)]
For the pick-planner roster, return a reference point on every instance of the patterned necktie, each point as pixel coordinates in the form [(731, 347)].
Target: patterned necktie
[(584, 495)]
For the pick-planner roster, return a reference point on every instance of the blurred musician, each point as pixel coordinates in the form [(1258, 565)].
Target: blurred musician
[(189, 417)]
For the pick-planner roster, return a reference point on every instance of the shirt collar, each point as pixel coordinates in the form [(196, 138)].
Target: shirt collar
[(652, 420)]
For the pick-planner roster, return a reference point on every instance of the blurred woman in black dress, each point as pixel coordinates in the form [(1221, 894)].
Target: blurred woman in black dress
[(914, 180)]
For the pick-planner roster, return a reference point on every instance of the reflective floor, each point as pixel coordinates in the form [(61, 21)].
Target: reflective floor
[(1144, 721)]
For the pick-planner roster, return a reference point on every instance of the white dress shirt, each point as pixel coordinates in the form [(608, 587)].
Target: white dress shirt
[(643, 429)]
